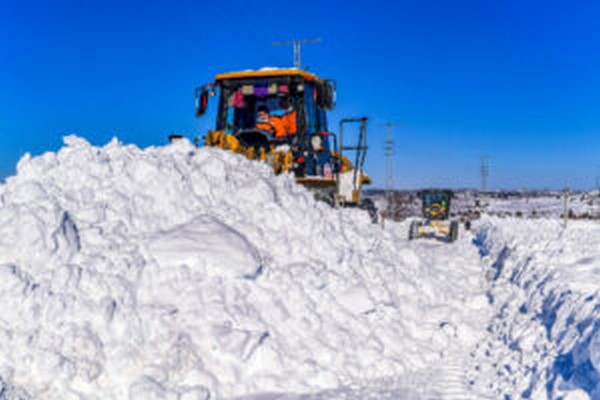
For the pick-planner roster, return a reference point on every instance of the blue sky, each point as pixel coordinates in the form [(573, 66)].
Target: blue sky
[(518, 81)]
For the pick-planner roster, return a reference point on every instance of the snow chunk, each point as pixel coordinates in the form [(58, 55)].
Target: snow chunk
[(205, 243), (356, 300), (76, 141)]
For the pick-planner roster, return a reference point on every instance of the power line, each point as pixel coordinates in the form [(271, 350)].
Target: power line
[(297, 44)]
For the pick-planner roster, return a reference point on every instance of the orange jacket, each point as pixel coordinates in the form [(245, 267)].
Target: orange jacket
[(289, 123), (275, 126)]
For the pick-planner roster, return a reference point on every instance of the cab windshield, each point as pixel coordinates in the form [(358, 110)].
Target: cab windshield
[(241, 101), (436, 205), (435, 198)]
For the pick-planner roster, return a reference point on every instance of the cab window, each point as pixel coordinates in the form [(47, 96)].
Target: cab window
[(310, 104), (240, 103)]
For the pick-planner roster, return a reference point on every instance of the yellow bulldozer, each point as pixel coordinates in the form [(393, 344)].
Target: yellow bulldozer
[(279, 116)]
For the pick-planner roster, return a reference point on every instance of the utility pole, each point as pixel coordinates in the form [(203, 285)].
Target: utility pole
[(566, 204), (297, 44), (485, 172), (389, 155), (598, 183)]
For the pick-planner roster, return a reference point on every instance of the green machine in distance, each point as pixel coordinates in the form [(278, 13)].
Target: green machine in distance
[(435, 221)]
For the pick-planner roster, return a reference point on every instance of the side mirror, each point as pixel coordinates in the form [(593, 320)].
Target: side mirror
[(327, 95), (202, 98), (201, 102)]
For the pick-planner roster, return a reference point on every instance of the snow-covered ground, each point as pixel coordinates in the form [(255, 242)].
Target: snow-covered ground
[(545, 335), (544, 204), (471, 204), (182, 273)]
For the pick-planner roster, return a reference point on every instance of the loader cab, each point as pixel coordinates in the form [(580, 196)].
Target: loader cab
[(436, 204), (297, 101), (295, 136)]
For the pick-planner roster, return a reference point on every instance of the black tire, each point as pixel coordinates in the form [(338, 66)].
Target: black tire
[(453, 231), (369, 206), (325, 198), (413, 231)]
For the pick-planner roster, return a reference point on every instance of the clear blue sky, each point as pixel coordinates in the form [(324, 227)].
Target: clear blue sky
[(518, 81)]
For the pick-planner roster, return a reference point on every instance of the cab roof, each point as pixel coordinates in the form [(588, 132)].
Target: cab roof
[(266, 73)]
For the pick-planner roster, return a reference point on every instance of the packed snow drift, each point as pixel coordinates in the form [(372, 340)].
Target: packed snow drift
[(182, 273), (544, 339)]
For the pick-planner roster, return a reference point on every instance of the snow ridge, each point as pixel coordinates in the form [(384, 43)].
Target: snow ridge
[(182, 273), (543, 340)]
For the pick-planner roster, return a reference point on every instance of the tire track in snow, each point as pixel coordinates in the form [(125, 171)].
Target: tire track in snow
[(447, 383), (450, 382)]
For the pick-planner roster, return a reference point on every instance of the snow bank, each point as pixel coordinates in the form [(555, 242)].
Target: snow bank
[(544, 340), (548, 205), (178, 273)]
